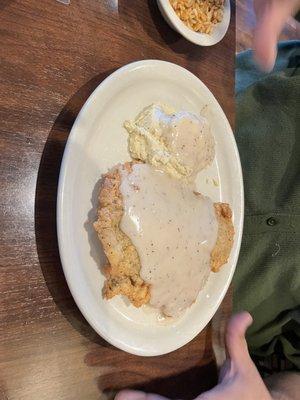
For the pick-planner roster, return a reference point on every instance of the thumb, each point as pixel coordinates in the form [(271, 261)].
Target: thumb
[(271, 17), (235, 338)]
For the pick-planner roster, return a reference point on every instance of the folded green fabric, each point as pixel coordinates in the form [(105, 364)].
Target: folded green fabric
[(267, 279)]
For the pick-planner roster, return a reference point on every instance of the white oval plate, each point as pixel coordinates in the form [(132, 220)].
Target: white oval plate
[(97, 142), (200, 39)]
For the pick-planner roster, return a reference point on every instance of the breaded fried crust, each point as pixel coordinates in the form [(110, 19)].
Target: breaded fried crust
[(221, 251), (123, 271)]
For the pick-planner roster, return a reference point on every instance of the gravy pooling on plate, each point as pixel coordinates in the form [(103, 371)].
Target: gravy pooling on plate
[(174, 231)]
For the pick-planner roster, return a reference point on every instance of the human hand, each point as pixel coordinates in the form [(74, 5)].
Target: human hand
[(239, 378), (271, 15)]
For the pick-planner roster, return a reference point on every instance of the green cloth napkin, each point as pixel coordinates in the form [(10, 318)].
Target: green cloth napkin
[(267, 278)]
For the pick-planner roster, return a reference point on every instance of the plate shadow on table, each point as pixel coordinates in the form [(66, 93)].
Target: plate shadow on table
[(45, 210), (186, 385), (158, 29), (186, 375)]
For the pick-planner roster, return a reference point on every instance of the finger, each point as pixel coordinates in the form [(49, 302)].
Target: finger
[(137, 395), (235, 338), (130, 395), (271, 17)]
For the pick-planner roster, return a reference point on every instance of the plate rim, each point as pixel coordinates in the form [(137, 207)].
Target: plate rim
[(60, 205)]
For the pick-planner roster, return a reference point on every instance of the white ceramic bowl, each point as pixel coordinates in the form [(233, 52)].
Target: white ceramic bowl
[(97, 142), (200, 39)]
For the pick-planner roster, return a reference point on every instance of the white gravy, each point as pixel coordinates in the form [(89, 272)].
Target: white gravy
[(185, 135), (174, 231), (188, 137)]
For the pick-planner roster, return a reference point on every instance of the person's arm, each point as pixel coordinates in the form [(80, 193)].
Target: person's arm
[(271, 16)]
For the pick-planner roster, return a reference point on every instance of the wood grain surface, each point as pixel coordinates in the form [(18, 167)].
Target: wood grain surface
[(52, 58)]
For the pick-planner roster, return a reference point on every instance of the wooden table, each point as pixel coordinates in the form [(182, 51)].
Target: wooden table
[(52, 57)]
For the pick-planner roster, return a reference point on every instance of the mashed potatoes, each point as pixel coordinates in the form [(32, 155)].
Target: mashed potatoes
[(179, 143)]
